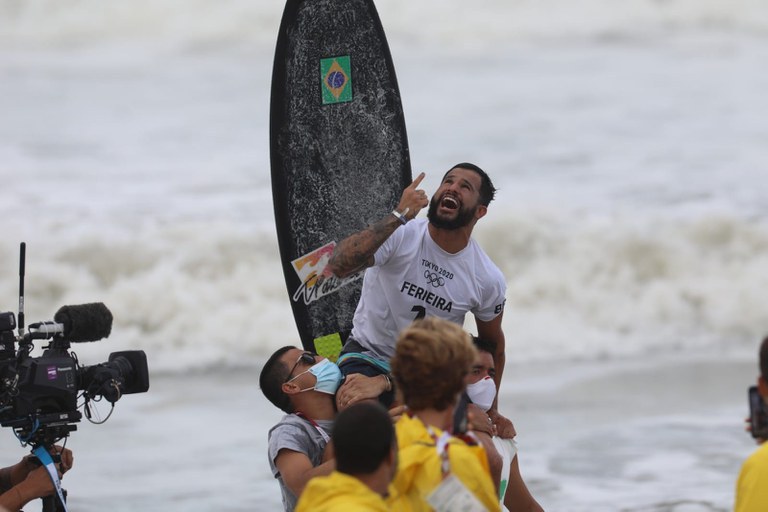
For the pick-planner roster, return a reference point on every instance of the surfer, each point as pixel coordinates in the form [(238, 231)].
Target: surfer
[(416, 268)]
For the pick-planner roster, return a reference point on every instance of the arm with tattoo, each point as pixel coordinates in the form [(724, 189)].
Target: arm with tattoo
[(355, 252)]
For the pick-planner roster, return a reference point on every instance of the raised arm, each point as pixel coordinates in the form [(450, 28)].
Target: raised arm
[(355, 252)]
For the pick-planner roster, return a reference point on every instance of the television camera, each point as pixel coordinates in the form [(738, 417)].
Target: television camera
[(39, 395)]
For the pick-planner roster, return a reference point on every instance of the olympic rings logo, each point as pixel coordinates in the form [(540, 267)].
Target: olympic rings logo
[(434, 279)]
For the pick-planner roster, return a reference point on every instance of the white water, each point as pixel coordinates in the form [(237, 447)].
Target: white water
[(627, 140)]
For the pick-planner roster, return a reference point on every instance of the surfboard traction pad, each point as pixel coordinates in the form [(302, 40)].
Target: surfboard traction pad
[(336, 166)]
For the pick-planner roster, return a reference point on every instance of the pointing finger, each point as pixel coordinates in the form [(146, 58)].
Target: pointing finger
[(417, 181)]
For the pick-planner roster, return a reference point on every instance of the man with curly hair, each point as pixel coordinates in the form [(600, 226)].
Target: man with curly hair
[(431, 362)]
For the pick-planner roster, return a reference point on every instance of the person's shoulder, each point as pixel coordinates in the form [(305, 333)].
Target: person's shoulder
[(759, 457), (482, 254), (288, 423), (487, 269)]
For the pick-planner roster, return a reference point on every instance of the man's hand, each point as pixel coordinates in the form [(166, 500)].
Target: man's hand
[(66, 458), (748, 428), (37, 484), (358, 387), (479, 421), (504, 428), (396, 412), (413, 199), (28, 464)]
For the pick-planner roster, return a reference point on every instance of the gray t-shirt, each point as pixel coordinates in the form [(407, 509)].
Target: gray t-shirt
[(299, 435)]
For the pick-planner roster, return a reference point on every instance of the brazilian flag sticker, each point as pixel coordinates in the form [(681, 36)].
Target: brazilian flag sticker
[(336, 80)]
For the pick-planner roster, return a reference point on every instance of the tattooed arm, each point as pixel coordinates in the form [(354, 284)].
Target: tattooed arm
[(355, 252)]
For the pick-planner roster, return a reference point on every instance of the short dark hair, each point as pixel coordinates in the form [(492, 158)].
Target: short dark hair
[(484, 345), (363, 437), (487, 190), (271, 380), (764, 359)]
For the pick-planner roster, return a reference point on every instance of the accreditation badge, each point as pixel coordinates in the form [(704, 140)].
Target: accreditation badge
[(453, 496)]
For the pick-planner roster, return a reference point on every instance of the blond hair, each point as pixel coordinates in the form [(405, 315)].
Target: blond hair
[(432, 358)]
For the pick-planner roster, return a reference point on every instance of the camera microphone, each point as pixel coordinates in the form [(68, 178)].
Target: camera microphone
[(85, 322)]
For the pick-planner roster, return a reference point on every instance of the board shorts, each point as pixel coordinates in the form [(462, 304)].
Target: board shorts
[(353, 360)]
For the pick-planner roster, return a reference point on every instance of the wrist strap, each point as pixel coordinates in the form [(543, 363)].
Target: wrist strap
[(401, 216), (45, 458)]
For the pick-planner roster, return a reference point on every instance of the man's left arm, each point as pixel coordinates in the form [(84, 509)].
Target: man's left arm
[(491, 331)]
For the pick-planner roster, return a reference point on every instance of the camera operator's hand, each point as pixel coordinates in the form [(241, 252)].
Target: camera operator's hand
[(27, 479), (19, 471), (36, 485), (66, 458)]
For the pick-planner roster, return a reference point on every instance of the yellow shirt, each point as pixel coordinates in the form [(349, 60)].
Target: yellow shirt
[(339, 492), (419, 469), (752, 486)]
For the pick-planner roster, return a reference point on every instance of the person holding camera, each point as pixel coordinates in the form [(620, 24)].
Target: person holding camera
[(28, 480), (752, 485)]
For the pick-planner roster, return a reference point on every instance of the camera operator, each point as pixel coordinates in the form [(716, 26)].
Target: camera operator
[(27, 480)]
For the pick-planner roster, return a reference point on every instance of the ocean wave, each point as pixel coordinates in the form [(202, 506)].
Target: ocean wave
[(452, 23), (208, 294), (580, 287)]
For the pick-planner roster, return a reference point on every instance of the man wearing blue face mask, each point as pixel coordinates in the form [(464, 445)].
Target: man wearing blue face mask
[(302, 384)]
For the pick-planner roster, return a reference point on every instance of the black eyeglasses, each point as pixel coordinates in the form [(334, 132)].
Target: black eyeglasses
[(308, 358)]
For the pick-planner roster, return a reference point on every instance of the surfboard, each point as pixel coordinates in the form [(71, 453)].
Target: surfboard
[(338, 151)]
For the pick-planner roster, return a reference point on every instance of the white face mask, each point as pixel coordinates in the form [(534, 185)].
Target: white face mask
[(482, 393)]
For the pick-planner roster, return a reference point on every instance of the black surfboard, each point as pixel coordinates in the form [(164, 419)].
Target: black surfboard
[(339, 152)]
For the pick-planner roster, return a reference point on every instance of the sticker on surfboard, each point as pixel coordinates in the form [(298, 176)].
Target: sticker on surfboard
[(336, 79), (315, 281)]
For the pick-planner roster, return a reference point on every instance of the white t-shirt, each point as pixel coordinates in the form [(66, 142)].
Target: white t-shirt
[(413, 277)]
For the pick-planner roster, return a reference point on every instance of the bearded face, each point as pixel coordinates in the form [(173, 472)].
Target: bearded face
[(449, 212)]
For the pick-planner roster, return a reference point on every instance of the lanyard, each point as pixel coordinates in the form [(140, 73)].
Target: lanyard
[(323, 433), (441, 445), (45, 458)]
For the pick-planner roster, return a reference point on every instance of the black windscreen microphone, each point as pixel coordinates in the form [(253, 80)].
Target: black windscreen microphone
[(85, 322)]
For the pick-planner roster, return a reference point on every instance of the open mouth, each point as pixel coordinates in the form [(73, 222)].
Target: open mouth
[(449, 202)]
